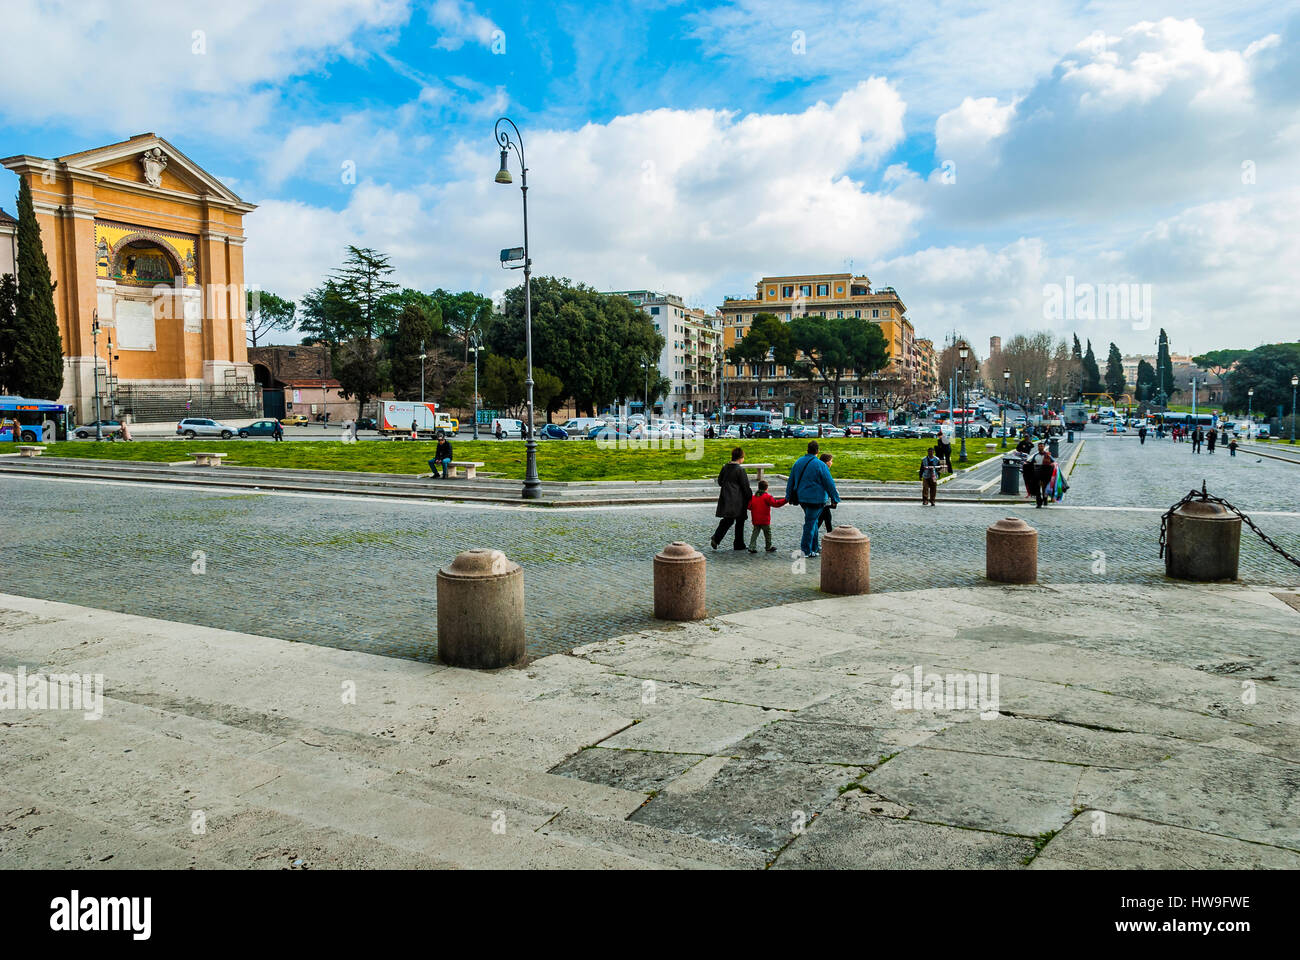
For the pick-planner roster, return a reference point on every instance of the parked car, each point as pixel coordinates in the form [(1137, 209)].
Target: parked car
[(670, 428), (507, 428), (552, 431), (295, 420), (258, 428), (856, 430), (581, 426), (829, 430), (367, 423), (106, 427), (192, 427)]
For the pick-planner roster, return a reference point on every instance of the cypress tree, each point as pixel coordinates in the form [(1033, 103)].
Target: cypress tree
[(38, 348), (1164, 369), (8, 331), (1091, 372), (1115, 379)]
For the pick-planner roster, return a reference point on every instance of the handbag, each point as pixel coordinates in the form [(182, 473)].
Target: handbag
[(793, 499)]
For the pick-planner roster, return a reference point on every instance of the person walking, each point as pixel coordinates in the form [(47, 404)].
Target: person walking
[(1142, 435), (277, 432), (825, 520), (441, 457), (943, 450), (930, 467), (1232, 446), (810, 486), (760, 509), (1043, 466), (1211, 439), (733, 500), (1198, 438)]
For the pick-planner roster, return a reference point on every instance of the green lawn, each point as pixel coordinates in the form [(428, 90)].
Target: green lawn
[(855, 459)]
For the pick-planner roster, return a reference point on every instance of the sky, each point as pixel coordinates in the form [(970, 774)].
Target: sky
[(1006, 167)]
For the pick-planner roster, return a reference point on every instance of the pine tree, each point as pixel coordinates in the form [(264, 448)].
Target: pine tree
[(37, 356), (1115, 379), (8, 330)]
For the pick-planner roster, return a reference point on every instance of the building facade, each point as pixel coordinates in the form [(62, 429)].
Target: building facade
[(691, 354), (836, 295), (8, 245), (146, 251)]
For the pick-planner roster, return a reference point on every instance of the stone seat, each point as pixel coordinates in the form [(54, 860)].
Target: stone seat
[(471, 468), (30, 451), (759, 467), (208, 459)]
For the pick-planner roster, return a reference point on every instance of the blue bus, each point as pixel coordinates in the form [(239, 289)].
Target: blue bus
[(32, 421), (1206, 421)]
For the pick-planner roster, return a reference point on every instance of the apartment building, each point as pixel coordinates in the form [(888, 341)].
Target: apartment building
[(691, 354), (834, 295)]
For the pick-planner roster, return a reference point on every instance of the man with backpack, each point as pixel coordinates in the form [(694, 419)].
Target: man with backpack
[(810, 486)]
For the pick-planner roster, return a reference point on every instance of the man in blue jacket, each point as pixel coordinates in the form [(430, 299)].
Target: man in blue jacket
[(810, 485)]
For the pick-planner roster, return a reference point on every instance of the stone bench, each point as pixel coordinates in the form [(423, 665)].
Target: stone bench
[(990, 446), (208, 459), (29, 451), (471, 468), (759, 468)]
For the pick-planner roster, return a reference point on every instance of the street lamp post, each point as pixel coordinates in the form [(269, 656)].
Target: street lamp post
[(532, 483), (963, 351), (1250, 413), (475, 350), (423, 356), (1295, 381), (1006, 385), (94, 339), (645, 405)]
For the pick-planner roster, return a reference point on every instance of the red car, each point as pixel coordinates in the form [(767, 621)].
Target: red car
[(855, 430)]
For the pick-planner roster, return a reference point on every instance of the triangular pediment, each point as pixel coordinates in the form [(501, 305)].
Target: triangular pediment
[(147, 158)]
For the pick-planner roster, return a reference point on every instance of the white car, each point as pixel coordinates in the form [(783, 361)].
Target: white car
[(581, 426), (674, 430), (507, 428)]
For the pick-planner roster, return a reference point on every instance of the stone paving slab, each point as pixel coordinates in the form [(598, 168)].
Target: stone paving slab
[(1098, 840), (602, 758)]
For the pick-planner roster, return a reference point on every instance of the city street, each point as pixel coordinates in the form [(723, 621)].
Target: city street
[(360, 574)]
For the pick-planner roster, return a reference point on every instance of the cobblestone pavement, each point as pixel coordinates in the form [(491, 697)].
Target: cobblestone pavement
[(360, 574)]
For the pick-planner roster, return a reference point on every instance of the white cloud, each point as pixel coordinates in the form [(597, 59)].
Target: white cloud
[(136, 65), (681, 200), (458, 21)]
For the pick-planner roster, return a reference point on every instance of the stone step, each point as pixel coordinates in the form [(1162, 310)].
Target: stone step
[(150, 784)]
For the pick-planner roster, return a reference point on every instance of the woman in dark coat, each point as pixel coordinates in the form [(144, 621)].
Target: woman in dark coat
[(733, 500)]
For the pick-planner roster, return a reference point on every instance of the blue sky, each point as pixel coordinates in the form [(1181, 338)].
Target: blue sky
[(695, 147)]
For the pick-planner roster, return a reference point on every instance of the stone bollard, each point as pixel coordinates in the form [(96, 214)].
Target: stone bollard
[(481, 611), (846, 562), (1011, 552), (679, 583), (1203, 542)]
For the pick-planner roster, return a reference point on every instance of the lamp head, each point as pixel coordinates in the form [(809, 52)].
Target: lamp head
[(503, 175), (1295, 381)]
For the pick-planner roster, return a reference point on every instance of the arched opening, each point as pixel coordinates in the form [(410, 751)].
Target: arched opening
[(144, 262)]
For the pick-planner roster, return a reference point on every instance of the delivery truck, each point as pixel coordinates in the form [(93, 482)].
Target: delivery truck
[(397, 416)]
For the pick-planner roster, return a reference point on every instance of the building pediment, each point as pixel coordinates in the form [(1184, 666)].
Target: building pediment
[(145, 162)]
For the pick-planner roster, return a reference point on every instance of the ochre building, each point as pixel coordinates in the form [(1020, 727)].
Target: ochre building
[(143, 240)]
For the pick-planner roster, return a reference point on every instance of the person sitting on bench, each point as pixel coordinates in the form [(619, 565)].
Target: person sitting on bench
[(442, 456)]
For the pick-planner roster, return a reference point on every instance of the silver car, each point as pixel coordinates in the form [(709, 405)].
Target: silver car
[(192, 427)]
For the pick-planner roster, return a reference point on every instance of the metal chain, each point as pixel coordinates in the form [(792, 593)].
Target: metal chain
[(1206, 497)]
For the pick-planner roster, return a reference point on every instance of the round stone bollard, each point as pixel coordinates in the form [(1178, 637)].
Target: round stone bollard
[(1203, 542), (679, 583), (1011, 552), (481, 611), (846, 562)]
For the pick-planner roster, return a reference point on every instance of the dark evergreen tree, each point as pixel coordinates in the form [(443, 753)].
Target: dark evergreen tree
[(1164, 370), (8, 330), (1091, 372), (1115, 379), (37, 356)]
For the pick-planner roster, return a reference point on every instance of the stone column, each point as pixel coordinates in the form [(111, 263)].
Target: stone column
[(1011, 552), (846, 562), (481, 611), (1203, 542), (679, 583)]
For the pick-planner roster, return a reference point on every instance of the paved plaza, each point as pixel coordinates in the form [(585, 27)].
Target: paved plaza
[(360, 573)]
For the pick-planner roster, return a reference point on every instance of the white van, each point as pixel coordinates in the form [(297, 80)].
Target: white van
[(508, 429), (581, 426)]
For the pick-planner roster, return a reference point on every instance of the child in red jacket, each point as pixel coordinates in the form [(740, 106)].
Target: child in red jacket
[(760, 506)]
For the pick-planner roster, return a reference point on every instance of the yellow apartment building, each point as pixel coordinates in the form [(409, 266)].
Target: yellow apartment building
[(834, 295), (143, 241)]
